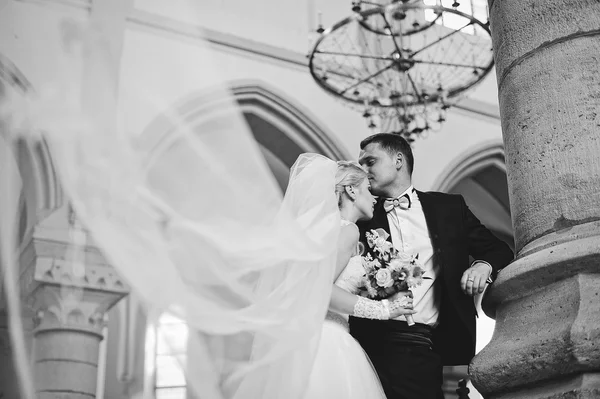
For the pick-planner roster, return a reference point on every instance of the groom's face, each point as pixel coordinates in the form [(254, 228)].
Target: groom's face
[(381, 167)]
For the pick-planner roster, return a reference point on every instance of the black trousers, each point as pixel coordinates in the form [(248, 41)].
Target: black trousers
[(407, 370)]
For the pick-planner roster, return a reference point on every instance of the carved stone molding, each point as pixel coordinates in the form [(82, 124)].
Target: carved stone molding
[(67, 285)]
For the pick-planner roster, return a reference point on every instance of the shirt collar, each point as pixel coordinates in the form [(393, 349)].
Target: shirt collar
[(410, 191)]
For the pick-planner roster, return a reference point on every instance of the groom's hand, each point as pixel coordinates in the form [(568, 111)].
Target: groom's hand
[(474, 279)]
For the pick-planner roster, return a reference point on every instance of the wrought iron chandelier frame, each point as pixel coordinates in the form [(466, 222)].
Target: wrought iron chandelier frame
[(399, 58)]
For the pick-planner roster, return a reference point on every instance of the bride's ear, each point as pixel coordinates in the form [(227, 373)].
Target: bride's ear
[(351, 192)]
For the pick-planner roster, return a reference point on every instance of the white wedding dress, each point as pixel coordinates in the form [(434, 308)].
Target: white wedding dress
[(342, 369)]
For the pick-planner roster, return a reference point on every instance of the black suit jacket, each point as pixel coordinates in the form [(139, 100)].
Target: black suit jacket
[(455, 234)]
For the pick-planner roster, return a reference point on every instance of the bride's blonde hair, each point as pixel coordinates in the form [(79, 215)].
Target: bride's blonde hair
[(348, 173)]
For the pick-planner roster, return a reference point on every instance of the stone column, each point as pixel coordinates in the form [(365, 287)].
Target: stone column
[(547, 302), (70, 287)]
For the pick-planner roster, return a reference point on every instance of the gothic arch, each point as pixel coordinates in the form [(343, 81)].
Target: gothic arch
[(470, 162), (479, 174), (282, 128), (292, 119), (41, 188), (41, 192)]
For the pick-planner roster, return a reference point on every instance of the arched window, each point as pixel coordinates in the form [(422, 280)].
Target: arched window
[(167, 341)]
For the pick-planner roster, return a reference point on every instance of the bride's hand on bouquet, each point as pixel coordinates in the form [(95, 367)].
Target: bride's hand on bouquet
[(401, 304), (401, 295)]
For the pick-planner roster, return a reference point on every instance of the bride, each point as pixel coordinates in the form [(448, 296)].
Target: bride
[(193, 220), (341, 368)]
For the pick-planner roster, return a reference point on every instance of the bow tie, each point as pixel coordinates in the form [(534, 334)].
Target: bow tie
[(402, 202)]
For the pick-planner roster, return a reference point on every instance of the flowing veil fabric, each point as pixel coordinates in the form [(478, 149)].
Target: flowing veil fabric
[(191, 218)]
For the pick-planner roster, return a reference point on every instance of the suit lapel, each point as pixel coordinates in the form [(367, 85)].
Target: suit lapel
[(432, 219), (380, 219)]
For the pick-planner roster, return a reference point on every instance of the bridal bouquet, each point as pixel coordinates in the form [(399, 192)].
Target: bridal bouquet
[(387, 270)]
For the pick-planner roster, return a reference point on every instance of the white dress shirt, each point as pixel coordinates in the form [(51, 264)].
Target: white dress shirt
[(409, 233)]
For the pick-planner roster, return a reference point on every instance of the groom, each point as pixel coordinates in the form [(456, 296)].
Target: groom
[(441, 229)]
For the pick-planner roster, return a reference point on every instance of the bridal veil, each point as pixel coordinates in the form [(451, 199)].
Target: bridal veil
[(191, 218)]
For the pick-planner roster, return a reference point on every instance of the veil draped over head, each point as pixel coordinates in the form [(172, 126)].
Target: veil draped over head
[(191, 217)]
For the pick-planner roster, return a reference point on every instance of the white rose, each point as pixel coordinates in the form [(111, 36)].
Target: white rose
[(384, 278)]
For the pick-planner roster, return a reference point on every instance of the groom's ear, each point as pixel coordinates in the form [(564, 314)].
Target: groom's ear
[(351, 192), (399, 161)]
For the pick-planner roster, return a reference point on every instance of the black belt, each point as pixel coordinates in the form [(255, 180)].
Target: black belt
[(418, 334), (391, 331)]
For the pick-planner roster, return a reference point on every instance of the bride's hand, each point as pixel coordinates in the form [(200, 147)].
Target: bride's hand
[(401, 304), (400, 295)]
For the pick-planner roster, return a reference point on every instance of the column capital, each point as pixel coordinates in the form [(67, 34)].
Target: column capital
[(67, 283)]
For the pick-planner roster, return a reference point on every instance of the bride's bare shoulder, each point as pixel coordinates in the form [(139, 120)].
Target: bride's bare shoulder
[(349, 235)]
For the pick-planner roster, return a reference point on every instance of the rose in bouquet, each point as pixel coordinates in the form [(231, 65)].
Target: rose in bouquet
[(387, 270)]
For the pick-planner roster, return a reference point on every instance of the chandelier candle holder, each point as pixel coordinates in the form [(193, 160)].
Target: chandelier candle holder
[(398, 23)]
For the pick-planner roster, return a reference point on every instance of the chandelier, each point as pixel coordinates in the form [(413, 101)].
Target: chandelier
[(405, 63)]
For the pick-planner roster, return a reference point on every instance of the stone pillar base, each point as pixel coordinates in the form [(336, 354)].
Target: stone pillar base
[(584, 386), (547, 320)]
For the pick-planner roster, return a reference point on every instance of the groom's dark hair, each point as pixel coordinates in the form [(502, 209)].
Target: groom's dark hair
[(393, 144)]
